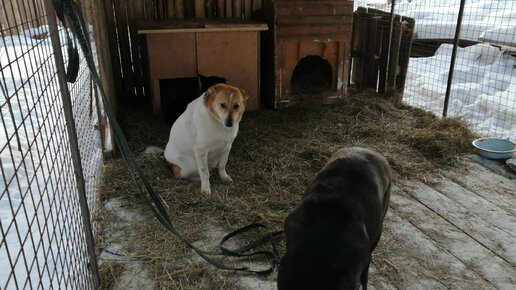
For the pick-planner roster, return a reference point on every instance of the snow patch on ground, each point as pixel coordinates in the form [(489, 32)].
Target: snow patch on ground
[(215, 234), (115, 206), (118, 239), (256, 283)]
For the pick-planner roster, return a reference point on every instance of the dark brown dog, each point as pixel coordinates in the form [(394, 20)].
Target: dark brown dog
[(333, 231)]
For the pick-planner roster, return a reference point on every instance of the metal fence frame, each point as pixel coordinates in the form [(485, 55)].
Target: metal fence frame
[(49, 169)]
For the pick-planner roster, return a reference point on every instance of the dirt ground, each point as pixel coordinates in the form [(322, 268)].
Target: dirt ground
[(450, 224)]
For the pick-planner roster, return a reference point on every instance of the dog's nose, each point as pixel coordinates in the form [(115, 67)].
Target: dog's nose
[(229, 122)]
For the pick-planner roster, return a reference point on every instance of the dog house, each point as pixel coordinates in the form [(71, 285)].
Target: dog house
[(305, 53), (181, 49)]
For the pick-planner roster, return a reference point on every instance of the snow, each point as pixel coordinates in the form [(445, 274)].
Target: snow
[(214, 234), (119, 237), (506, 36), (483, 91)]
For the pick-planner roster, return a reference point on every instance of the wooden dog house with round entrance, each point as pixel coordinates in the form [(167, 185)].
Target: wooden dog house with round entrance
[(305, 38)]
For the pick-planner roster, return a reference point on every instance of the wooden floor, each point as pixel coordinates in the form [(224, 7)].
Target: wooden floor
[(456, 230)]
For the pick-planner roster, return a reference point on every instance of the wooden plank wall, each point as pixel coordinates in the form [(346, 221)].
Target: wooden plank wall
[(126, 47), (96, 16), (373, 67)]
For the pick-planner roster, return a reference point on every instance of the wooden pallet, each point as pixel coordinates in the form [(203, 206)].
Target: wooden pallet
[(373, 65)]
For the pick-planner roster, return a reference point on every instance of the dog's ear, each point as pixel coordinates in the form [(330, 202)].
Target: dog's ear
[(210, 93), (244, 95)]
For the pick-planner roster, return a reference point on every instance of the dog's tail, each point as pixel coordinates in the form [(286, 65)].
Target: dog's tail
[(154, 149)]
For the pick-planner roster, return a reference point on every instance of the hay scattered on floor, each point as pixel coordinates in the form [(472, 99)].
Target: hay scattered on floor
[(109, 273), (274, 158)]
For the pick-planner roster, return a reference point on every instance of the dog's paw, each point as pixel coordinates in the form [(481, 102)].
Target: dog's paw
[(226, 178), (206, 191)]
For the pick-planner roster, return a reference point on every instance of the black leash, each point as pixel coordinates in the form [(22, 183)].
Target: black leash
[(68, 12), (72, 68)]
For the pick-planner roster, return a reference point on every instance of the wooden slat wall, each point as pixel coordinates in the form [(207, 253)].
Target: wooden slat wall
[(95, 14), (373, 67), (127, 47)]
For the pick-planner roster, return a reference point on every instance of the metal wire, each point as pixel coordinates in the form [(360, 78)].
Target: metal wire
[(42, 235), (483, 88)]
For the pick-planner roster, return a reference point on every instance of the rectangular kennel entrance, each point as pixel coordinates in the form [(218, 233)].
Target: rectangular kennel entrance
[(307, 50)]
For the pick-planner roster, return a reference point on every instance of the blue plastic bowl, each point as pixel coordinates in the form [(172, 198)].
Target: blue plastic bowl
[(495, 148)]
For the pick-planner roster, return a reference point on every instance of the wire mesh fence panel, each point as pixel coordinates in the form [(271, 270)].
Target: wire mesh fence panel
[(85, 102), (42, 244), (483, 87)]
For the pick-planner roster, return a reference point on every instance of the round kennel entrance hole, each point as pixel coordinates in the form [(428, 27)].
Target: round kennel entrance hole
[(311, 76)]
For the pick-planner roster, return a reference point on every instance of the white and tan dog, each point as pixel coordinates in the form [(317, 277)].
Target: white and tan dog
[(201, 138)]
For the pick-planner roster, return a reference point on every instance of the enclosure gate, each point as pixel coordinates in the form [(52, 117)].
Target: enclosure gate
[(380, 61), (43, 234)]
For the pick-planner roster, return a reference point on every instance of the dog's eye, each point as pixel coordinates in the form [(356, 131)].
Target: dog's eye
[(223, 105), (236, 106)]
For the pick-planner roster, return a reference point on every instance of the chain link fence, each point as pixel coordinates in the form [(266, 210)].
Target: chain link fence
[(482, 89), (42, 233)]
